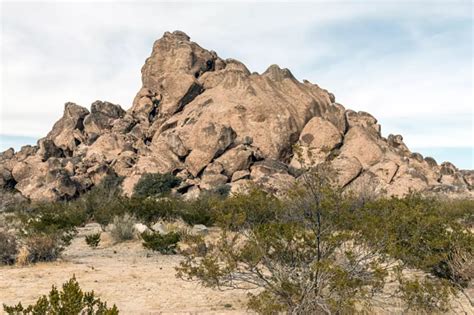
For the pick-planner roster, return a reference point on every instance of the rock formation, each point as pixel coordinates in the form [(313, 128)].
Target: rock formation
[(213, 122)]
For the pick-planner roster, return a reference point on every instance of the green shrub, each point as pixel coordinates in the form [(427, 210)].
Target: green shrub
[(155, 185), (253, 208), (417, 231), (43, 248), (8, 248), (151, 210), (199, 211), (49, 228), (123, 228), (71, 300), (93, 240), (425, 295), (165, 244), (104, 201), (53, 218)]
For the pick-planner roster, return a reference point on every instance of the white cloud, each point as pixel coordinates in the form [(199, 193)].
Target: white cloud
[(409, 64)]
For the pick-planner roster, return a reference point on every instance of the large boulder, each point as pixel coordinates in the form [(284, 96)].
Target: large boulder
[(318, 138), (67, 133), (213, 140), (361, 144), (102, 117)]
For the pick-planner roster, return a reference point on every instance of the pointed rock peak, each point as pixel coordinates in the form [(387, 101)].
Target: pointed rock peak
[(177, 35), (278, 74)]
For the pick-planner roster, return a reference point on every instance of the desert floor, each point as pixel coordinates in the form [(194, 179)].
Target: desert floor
[(138, 281)]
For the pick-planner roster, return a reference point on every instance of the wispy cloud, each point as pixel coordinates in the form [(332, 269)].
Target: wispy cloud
[(408, 63)]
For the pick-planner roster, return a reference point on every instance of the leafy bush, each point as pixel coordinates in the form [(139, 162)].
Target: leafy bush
[(155, 185), (8, 248), (93, 240), (71, 300), (165, 244), (43, 248), (123, 228)]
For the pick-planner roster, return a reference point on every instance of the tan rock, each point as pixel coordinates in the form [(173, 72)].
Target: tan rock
[(236, 159), (347, 169), (109, 146), (362, 145), (67, 133), (212, 142), (318, 138), (385, 170)]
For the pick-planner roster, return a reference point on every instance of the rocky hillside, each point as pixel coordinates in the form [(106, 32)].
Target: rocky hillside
[(213, 122)]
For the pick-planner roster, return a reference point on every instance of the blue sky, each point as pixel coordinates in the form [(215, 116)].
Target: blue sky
[(408, 63)]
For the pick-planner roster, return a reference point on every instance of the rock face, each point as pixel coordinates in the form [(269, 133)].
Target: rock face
[(212, 122)]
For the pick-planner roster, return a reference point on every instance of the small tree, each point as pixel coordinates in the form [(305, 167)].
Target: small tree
[(155, 185)]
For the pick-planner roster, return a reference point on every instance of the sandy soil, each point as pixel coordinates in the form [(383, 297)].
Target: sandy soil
[(138, 281)]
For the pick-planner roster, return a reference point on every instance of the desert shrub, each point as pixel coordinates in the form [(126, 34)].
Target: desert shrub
[(49, 228), (199, 211), (155, 185), (253, 208), (93, 240), (51, 218), (163, 243), (123, 228), (152, 210), (104, 201), (8, 248), (43, 248), (71, 300), (315, 253), (425, 295), (417, 231), (104, 212)]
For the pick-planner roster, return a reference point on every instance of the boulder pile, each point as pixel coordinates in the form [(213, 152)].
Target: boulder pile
[(212, 122)]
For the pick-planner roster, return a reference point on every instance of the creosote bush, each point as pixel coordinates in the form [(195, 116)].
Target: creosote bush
[(165, 244), (155, 185), (8, 248), (93, 240), (71, 301)]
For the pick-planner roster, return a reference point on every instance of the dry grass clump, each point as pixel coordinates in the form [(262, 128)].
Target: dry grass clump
[(123, 228)]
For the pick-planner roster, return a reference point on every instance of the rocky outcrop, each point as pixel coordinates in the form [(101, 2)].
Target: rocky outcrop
[(213, 122)]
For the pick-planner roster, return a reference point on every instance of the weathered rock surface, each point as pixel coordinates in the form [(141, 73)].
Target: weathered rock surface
[(213, 122)]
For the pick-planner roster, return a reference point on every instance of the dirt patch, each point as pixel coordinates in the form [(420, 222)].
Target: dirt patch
[(138, 281)]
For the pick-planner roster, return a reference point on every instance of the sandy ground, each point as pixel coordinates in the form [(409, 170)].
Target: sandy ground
[(138, 281)]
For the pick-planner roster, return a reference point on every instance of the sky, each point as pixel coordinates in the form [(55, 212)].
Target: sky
[(408, 63)]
